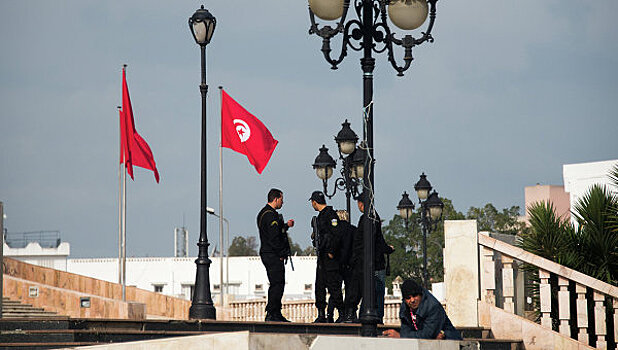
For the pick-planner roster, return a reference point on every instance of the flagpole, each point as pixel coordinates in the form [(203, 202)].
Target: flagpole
[(124, 235), (120, 202), (123, 244), (223, 249)]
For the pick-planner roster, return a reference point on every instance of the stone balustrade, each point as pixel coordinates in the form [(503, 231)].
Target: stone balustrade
[(580, 312), (299, 310)]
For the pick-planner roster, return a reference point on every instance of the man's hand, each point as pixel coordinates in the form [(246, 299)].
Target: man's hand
[(391, 333), (330, 255), (441, 335), (290, 223)]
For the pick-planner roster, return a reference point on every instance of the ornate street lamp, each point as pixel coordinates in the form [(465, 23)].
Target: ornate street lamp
[(431, 211), (353, 165), (202, 25), (370, 33), (406, 208)]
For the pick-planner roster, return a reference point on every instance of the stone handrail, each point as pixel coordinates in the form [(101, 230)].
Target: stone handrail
[(547, 265), (299, 310), (564, 275)]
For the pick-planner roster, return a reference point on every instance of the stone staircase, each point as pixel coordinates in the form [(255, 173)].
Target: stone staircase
[(15, 309)]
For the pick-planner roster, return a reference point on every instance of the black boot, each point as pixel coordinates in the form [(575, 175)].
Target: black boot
[(350, 316), (321, 316), (330, 311), (342, 316), (280, 318)]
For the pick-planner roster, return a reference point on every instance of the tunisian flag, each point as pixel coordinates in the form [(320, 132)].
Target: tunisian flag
[(133, 148), (244, 133)]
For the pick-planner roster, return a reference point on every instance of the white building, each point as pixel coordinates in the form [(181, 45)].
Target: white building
[(33, 253), (176, 276), (578, 178)]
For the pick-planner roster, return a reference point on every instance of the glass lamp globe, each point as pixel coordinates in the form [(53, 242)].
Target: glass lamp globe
[(408, 14), (324, 173), (327, 10)]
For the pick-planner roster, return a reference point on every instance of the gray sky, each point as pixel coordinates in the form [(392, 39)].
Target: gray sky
[(507, 93)]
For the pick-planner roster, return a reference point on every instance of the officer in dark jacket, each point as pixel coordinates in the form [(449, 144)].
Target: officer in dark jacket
[(274, 250), (422, 316), (354, 295), (327, 275)]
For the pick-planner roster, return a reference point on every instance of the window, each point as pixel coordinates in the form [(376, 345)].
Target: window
[(158, 288), (308, 287), (259, 287)]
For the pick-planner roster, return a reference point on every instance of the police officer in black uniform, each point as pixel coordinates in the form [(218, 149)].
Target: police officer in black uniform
[(355, 294), (274, 250), (327, 274)]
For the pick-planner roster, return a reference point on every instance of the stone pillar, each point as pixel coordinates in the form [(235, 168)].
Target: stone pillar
[(599, 320), (508, 284), (488, 276), (582, 314), (615, 303), (545, 296), (461, 272), (564, 313)]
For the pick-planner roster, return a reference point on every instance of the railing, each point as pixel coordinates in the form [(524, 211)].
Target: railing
[(299, 310), (571, 302)]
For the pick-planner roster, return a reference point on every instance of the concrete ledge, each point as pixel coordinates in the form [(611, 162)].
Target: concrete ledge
[(257, 341)]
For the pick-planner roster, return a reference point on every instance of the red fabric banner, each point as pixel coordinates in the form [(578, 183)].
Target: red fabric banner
[(244, 133), (133, 148)]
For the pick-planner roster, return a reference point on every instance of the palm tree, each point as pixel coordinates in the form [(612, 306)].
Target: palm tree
[(595, 214)]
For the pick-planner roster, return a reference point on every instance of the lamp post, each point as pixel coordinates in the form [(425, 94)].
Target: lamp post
[(202, 25), (370, 32), (353, 164), (211, 211), (431, 211)]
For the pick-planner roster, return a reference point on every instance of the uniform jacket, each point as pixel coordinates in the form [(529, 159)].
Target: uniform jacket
[(272, 229), (430, 320), (380, 247), (328, 231)]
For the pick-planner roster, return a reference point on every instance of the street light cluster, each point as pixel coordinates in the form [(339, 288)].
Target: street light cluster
[(369, 33), (431, 211), (353, 164)]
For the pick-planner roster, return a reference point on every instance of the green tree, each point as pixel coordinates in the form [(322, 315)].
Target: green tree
[(492, 220), (242, 246), (295, 249), (591, 247), (407, 259)]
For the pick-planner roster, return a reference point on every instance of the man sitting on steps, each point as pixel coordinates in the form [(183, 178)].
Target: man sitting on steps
[(422, 316)]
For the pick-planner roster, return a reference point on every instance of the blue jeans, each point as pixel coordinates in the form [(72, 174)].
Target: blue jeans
[(379, 278)]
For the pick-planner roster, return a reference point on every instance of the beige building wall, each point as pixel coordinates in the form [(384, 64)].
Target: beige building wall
[(554, 194)]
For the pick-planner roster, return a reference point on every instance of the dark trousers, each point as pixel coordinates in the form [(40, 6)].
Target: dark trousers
[(275, 270), (327, 276), (354, 293)]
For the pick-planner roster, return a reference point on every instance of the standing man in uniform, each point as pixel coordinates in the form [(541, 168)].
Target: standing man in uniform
[(327, 275), (274, 250), (380, 249)]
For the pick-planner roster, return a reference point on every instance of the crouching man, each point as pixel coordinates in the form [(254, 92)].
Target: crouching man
[(422, 316)]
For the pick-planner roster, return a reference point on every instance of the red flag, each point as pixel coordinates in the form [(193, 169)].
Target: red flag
[(134, 150), (244, 133)]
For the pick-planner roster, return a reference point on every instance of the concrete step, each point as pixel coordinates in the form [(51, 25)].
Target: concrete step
[(15, 309), (43, 346)]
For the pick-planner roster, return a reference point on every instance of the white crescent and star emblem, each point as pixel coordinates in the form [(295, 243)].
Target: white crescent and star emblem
[(242, 129)]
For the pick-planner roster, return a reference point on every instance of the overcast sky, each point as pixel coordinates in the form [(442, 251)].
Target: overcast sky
[(508, 92)]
